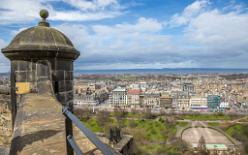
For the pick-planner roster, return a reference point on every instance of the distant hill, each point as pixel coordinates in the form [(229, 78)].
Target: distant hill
[(166, 71), (4, 74)]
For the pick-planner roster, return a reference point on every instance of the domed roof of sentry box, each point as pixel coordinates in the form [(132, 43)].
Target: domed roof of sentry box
[(41, 41)]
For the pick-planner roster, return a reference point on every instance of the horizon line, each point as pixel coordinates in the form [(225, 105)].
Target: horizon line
[(159, 69)]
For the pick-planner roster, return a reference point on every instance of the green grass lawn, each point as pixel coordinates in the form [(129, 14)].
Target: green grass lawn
[(235, 128), (213, 124), (151, 135), (240, 133), (93, 125), (153, 130), (182, 124), (205, 117), (134, 115)]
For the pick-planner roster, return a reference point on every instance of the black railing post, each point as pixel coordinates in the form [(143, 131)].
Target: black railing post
[(104, 148), (69, 131)]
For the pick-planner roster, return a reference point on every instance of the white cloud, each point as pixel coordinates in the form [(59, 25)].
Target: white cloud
[(88, 10), (4, 63), (212, 37), (209, 37), (219, 29), (79, 16), (12, 11), (189, 12), (94, 5), (234, 6), (115, 45), (120, 42), (142, 25), (133, 65), (145, 25)]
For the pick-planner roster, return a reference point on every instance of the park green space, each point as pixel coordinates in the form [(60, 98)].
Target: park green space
[(150, 135), (155, 134), (213, 124), (240, 133), (209, 117)]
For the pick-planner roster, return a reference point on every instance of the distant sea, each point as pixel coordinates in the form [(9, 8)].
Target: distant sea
[(166, 71)]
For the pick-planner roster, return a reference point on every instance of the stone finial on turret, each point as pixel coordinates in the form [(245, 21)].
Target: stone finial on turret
[(44, 14)]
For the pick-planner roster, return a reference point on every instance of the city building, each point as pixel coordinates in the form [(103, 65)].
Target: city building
[(213, 102), (82, 87), (143, 86), (244, 105), (134, 86), (183, 103), (84, 99), (166, 101), (119, 97), (188, 87), (150, 100), (181, 100), (134, 98), (224, 106), (198, 103)]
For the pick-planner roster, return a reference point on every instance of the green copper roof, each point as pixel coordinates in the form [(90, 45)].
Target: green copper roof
[(216, 147)]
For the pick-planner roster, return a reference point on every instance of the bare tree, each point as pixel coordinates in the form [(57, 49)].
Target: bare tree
[(120, 115), (83, 114), (102, 118)]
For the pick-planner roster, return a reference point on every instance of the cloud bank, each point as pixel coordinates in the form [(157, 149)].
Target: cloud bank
[(209, 37), (21, 11), (206, 36)]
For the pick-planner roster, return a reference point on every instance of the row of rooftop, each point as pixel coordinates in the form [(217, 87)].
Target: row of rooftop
[(182, 96)]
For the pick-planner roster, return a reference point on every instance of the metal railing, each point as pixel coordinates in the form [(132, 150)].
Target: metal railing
[(104, 148)]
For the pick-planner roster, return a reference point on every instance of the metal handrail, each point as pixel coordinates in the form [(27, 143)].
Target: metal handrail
[(74, 145), (104, 148)]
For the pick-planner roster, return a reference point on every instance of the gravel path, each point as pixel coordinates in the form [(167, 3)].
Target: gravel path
[(192, 135)]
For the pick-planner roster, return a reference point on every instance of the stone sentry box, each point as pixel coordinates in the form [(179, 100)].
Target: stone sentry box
[(41, 61)]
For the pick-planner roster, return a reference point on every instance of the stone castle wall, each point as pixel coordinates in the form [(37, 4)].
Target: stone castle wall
[(5, 122)]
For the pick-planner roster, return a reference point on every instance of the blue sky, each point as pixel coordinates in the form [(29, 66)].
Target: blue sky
[(126, 34)]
